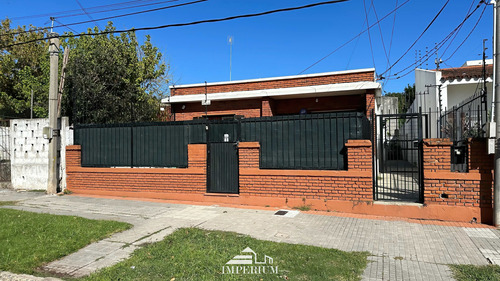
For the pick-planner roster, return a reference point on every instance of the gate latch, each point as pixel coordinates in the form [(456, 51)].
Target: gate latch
[(415, 143)]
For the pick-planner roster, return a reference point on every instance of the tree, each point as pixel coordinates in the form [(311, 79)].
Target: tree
[(109, 78), (405, 99), (23, 69), (112, 79)]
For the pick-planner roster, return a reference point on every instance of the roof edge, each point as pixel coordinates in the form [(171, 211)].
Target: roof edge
[(295, 91), (274, 78)]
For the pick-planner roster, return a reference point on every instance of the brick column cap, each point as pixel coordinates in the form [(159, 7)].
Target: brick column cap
[(249, 145), (358, 143), (438, 142), (74, 147)]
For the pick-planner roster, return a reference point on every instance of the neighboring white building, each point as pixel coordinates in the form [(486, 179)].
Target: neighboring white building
[(440, 90)]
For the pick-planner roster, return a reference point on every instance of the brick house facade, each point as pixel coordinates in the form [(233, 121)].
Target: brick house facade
[(447, 195), (353, 90)]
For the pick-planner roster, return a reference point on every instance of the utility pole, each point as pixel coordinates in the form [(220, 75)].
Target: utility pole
[(496, 72), (53, 136), (485, 90)]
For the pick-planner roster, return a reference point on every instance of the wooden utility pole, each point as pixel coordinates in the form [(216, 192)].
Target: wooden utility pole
[(53, 136)]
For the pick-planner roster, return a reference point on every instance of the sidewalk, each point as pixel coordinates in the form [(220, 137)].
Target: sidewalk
[(401, 250)]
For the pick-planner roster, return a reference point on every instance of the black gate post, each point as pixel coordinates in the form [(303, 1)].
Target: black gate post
[(420, 158)]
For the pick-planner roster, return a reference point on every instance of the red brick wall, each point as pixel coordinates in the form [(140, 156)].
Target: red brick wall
[(249, 155), (359, 155), (369, 103), (276, 84), (472, 189), (191, 179), (270, 107), (293, 106), (248, 108), (267, 107), (480, 160), (437, 155), (352, 185)]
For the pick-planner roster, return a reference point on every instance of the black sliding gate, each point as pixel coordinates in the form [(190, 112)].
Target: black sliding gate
[(222, 154), (398, 174)]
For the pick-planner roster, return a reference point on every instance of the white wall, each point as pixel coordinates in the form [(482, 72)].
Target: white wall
[(29, 153), (458, 92)]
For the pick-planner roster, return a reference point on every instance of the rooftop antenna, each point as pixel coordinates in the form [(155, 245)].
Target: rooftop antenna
[(230, 41)]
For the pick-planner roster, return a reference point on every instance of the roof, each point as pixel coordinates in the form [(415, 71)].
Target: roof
[(273, 78), (306, 91), (465, 72)]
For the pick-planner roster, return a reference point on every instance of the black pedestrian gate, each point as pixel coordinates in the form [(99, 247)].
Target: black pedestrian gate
[(398, 174), (222, 157)]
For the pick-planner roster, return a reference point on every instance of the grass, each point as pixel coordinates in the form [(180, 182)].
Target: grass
[(473, 272), (303, 208), (8, 203), (195, 254), (29, 240)]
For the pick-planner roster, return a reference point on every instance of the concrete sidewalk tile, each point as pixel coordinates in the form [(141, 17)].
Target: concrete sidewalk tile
[(402, 250)]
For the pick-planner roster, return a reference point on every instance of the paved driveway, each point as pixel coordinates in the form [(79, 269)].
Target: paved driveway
[(401, 250)]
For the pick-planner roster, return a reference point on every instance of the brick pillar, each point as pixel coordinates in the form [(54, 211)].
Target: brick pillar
[(267, 107), (249, 154), (197, 156), (479, 159), (359, 155), (73, 156), (437, 155), (370, 103)]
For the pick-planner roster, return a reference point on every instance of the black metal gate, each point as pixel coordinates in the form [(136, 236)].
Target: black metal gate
[(398, 174), (222, 157)]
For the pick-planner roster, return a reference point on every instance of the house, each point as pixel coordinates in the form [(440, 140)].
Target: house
[(438, 91), (287, 142), (340, 91)]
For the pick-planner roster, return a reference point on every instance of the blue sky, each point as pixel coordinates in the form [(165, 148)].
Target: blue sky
[(285, 43)]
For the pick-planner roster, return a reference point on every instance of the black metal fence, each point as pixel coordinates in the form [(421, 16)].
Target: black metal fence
[(138, 145), (466, 120), (315, 141), (305, 142), (5, 173)]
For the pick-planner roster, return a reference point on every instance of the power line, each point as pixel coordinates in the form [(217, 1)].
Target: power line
[(390, 43), (56, 20), (369, 36), (352, 39), (418, 38), (182, 24), (90, 9), (122, 8), (392, 32), (380, 30), (90, 17), (456, 34), (113, 17), (436, 48), (468, 35)]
